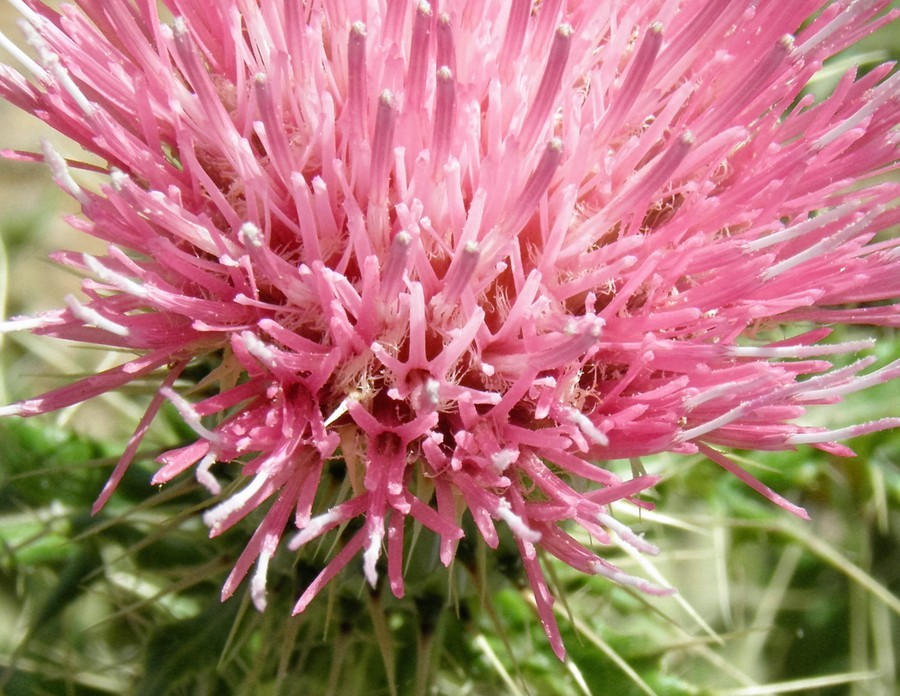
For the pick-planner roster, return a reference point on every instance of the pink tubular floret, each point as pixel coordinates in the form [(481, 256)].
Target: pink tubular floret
[(472, 254)]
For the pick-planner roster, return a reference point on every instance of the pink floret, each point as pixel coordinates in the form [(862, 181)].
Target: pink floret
[(473, 253)]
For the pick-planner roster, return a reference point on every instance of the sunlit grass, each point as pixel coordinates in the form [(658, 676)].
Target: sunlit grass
[(767, 603)]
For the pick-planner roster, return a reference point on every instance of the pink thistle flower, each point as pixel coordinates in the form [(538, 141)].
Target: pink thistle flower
[(474, 251)]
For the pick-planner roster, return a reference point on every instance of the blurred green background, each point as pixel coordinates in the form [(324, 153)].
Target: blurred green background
[(127, 602)]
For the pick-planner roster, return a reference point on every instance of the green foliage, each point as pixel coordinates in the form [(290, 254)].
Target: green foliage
[(182, 655), (127, 602)]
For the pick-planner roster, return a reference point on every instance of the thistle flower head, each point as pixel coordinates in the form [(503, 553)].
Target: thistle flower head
[(472, 252)]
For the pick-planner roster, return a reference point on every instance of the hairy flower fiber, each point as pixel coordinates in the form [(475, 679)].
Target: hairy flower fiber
[(470, 251)]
